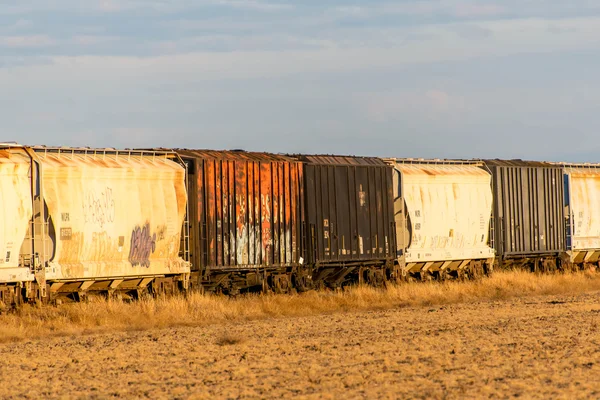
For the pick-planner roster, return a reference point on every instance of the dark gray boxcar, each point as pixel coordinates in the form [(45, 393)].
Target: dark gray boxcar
[(349, 211), (528, 216)]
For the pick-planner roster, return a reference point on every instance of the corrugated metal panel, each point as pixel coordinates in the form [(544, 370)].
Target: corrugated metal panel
[(349, 209), (338, 160), (113, 214), (15, 213), (528, 209), (247, 208), (449, 206), (584, 206), (516, 163)]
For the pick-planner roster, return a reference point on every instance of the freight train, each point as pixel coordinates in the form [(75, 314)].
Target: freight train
[(80, 221)]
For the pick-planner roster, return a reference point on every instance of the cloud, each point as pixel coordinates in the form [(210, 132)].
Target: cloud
[(90, 40), (450, 8), (26, 41), (428, 104), (20, 61), (472, 31), (19, 25), (424, 77), (438, 99), (476, 9), (256, 5), (109, 5), (556, 29), (180, 61)]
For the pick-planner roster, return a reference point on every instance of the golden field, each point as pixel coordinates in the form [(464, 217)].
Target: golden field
[(515, 334), (201, 310)]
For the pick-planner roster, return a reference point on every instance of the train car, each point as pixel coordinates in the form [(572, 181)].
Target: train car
[(349, 224), (442, 214), (264, 221), (528, 220), (582, 215), (97, 220), (15, 221), (246, 213)]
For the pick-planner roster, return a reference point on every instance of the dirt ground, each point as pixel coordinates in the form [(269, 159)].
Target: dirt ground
[(541, 347)]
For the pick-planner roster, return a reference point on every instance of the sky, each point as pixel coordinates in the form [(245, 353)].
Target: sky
[(409, 78)]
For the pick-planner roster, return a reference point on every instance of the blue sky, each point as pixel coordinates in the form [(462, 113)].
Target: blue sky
[(445, 78)]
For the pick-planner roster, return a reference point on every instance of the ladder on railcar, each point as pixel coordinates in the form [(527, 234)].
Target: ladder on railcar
[(184, 246)]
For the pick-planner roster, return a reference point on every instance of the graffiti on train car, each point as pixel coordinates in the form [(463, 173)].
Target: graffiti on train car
[(99, 247), (143, 244), (267, 240), (103, 247), (240, 229), (161, 233), (72, 246), (99, 208)]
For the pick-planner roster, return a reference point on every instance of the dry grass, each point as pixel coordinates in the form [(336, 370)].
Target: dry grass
[(198, 310)]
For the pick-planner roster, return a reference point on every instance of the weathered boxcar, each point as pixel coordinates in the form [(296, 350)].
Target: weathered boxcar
[(582, 213), (99, 220), (246, 211), (263, 220), (442, 213), (349, 219), (528, 221)]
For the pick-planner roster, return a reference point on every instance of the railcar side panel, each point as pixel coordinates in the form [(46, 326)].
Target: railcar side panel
[(349, 210), (528, 210), (112, 215), (448, 209), (583, 212), (246, 210), (15, 213)]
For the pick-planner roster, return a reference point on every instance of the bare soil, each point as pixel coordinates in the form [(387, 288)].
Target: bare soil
[(532, 347)]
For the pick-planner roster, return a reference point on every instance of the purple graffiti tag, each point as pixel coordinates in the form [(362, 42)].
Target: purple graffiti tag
[(142, 245)]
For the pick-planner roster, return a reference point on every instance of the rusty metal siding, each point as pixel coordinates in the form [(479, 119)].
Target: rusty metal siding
[(528, 208), (246, 209), (349, 210)]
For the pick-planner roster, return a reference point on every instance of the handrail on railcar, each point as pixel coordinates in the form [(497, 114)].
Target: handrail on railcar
[(102, 153), (434, 161)]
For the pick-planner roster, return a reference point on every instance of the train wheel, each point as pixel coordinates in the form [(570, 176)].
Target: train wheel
[(372, 276), (589, 267), (142, 294), (377, 277), (477, 270), (425, 276), (280, 283), (302, 281), (444, 275), (319, 285), (488, 268), (549, 266), (568, 266)]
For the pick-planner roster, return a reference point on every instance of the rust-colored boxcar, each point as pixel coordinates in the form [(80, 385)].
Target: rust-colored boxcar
[(349, 211), (245, 210)]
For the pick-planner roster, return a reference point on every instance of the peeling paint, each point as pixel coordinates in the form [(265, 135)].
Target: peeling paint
[(245, 200)]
